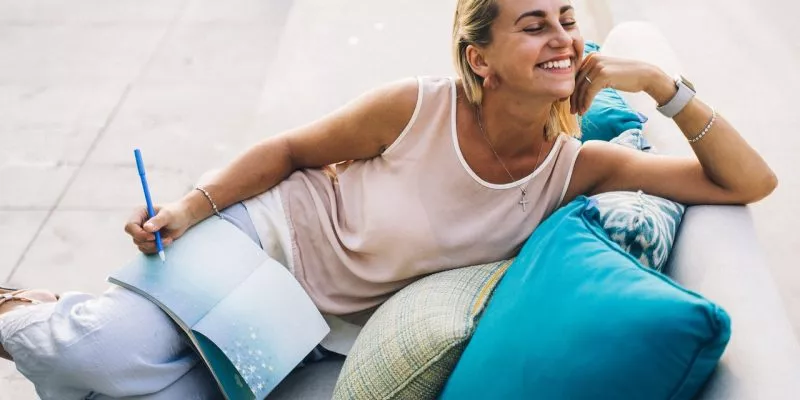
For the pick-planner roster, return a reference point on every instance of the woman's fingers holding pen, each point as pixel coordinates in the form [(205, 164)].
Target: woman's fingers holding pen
[(164, 218), (171, 221), (150, 246), (133, 226), (165, 240), (142, 237)]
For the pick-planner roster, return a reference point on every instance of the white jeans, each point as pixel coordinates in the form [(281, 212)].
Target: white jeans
[(116, 345)]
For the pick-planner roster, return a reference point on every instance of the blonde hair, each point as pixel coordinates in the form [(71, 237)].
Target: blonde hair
[(472, 26)]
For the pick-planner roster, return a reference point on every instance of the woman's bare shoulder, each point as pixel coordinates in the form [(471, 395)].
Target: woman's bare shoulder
[(361, 129)]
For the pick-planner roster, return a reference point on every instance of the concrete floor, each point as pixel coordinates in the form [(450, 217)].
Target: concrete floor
[(193, 82)]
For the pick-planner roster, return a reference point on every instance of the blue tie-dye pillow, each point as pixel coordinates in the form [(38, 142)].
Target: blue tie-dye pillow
[(643, 225)]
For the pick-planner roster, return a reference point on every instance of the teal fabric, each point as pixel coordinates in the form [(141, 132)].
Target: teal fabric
[(609, 114), (575, 317), (641, 224)]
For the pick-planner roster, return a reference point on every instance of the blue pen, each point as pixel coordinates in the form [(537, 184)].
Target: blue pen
[(150, 211)]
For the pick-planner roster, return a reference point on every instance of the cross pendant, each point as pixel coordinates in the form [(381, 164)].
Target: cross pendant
[(524, 201)]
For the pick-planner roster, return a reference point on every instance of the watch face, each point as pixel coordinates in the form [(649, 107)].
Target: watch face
[(687, 83)]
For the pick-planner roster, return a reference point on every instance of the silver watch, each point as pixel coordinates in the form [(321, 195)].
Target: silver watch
[(685, 94)]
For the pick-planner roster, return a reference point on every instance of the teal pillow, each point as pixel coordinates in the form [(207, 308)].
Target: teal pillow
[(641, 224), (609, 114), (575, 317)]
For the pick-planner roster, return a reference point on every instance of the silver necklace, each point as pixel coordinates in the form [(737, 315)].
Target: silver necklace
[(524, 200)]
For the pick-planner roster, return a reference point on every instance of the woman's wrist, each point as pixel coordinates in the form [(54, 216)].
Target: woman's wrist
[(660, 86), (197, 207)]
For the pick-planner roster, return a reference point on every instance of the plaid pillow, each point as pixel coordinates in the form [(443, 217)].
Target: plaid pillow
[(410, 346)]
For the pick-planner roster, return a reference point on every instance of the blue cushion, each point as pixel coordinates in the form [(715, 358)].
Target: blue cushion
[(575, 317), (609, 114)]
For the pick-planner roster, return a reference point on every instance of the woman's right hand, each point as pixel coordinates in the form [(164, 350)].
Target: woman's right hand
[(172, 220)]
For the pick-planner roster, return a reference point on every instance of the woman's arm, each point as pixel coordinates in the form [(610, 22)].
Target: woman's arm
[(360, 130), (726, 171)]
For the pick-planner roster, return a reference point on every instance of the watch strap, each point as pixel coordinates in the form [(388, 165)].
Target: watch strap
[(679, 101)]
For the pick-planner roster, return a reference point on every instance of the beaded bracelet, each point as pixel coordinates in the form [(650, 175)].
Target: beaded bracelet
[(208, 196), (707, 128)]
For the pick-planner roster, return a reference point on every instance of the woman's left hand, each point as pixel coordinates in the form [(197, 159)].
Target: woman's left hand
[(610, 72)]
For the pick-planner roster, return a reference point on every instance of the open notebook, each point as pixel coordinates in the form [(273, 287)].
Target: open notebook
[(245, 313)]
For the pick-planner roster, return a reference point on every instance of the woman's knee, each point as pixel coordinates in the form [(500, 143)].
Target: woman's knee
[(101, 343), (119, 323)]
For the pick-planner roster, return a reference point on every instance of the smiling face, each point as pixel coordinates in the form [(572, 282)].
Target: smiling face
[(535, 48)]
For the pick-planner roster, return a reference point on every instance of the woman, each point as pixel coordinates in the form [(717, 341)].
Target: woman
[(430, 174)]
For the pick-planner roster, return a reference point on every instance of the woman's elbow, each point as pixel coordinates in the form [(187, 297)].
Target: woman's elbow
[(762, 188), (770, 184)]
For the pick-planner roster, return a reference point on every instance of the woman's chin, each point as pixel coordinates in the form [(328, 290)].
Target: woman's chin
[(558, 92), (560, 95)]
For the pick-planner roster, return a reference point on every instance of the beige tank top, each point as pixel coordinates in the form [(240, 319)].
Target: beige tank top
[(415, 210)]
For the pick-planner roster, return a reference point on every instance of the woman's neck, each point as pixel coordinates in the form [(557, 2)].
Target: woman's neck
[(514, 126)]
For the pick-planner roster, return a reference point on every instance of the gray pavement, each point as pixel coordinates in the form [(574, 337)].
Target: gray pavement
[(193, 82)]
